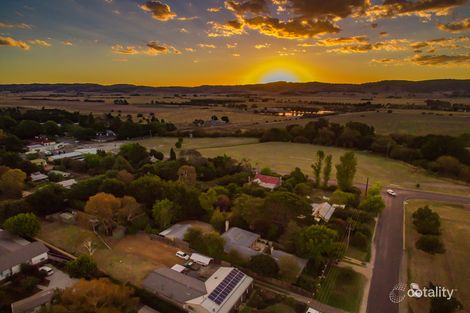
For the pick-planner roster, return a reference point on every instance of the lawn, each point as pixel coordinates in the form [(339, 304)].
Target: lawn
[(164, 144), (410, 122), (343, 288), (131, 258), (450, 269), (283, 157)]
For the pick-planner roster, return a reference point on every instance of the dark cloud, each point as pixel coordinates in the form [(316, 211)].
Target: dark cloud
[(151, 48), (330, 8), (8, 41), (455, 27), (423, 8), (248, 6), (441, 60), (160, 11), (158, 48), (340, 41)]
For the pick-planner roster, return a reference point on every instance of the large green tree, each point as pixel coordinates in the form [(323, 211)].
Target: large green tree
[(346, 170), (164, 212), (23, 224), (12, 183), (327, 170), (264, 264), (317, 166), (315, 241)]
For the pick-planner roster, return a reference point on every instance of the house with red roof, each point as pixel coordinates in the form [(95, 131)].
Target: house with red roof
[(265, 181)]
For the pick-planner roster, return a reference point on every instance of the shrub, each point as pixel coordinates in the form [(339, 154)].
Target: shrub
[(431, 244), (360, 241), (426, 221), (263, 264), (82, 267)]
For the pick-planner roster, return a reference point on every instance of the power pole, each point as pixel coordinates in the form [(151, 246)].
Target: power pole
[(349, 235), (367, 185)]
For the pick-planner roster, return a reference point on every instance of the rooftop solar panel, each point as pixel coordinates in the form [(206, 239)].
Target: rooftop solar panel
[(221, 292)]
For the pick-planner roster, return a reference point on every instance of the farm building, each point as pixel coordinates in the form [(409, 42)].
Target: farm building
[(265, 181), (201, 259), (38, 177), (67, 183), (15, 251), (222, 292), (322, 211)]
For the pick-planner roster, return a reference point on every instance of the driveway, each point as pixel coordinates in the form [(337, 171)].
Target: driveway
[(389, 246), (59, 279)]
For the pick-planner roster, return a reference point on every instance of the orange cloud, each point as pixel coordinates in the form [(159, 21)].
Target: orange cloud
[(442, 60), (8, 41), (341, 41), (151, 48), (291, 29), (226, 29), (455, 27), (422, 8), (214, 10), (40, 42), (160, 11)]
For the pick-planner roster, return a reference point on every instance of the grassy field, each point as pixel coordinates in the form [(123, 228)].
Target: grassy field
[(346, 289), (284, 157), (130, 259), (410, 122), (164, 144), (449, 269)]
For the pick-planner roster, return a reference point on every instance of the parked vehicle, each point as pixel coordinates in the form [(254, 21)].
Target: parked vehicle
[(182, 255), (46, 269), (192, 265)]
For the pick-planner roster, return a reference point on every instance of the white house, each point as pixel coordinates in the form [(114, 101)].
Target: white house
[(15, 251)]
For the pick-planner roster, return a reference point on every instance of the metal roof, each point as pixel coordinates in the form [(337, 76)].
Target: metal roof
[(174, 285), (21, 255), (30, 303)]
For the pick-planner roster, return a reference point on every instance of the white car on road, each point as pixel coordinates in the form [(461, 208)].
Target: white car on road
[(182, 255), (391, 192)]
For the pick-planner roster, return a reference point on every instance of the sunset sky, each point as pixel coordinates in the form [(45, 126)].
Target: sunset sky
[(183, 42)]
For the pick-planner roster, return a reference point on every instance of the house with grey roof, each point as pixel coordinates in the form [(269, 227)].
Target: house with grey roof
[(15, 251), (244, 242), (222, 292), (174, 286), (249, 244), (31, 304)]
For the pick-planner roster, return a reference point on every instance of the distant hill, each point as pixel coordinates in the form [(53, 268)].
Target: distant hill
[(395, 86)]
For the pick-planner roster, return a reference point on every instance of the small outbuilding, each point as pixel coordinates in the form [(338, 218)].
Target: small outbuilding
[(201, 259), (322, 211)]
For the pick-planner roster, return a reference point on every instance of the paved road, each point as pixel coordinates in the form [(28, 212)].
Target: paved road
[(389, 247)]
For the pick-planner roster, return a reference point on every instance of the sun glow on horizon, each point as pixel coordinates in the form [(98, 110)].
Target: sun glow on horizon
[(278, 70)]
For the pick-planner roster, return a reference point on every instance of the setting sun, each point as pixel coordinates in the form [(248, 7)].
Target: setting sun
[(278, 70)]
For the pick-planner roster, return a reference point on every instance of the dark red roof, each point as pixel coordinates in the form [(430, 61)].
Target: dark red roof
[(273, 180)]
